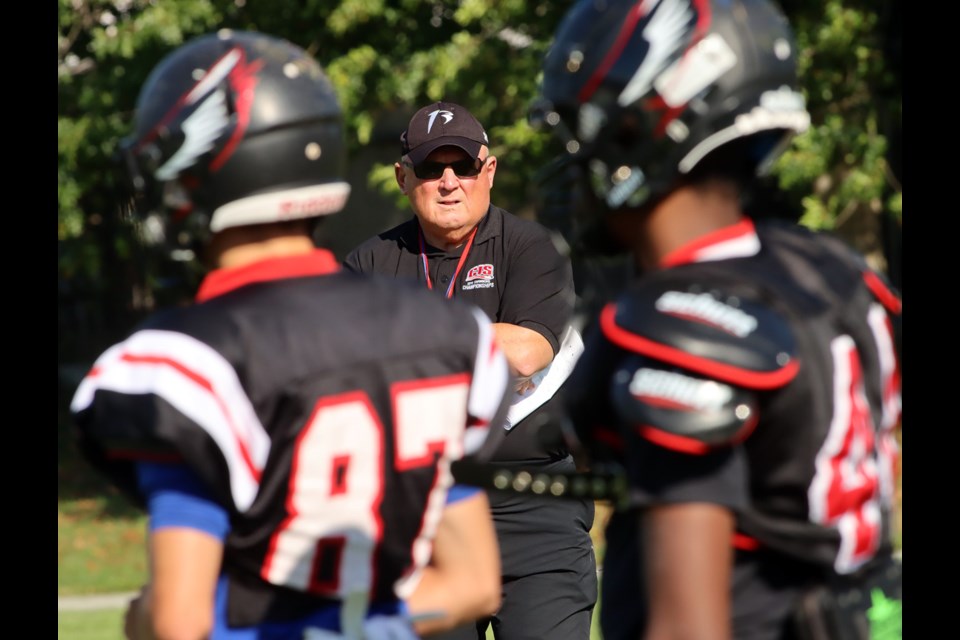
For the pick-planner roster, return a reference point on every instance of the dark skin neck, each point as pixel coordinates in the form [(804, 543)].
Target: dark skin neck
[(688, 212)]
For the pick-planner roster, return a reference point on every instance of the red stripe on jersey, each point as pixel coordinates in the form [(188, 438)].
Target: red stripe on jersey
[(672, 441), (887, 298), (205, 384), (692, 445), (724, 372), (744, 542), (689, 252)]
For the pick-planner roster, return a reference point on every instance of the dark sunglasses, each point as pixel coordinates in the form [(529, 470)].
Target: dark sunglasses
[(466, 168)]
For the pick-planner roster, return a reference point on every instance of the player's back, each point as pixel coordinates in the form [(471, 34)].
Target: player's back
[(798, 336), (822, 454), (317, 409), (826, 312)]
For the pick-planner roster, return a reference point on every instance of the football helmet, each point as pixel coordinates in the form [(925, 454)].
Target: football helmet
[(234, 128), (640, 92)]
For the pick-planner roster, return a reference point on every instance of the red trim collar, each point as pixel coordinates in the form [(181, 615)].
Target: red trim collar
[(736, 241), (316, 263)]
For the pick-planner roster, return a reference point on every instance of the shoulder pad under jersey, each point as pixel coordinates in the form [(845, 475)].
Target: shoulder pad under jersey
[(680, 411), (718, 335)]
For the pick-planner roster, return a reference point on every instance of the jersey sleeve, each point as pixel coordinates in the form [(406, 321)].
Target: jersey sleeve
[(460, 492), (163, 396), (176, 497), (490, 395)]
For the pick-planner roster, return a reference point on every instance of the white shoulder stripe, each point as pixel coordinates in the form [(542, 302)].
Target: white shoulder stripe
[(742, 246), (199, 383), (892, 400), (491, 377)]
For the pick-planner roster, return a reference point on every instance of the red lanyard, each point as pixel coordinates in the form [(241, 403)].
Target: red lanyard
[(426, 265)]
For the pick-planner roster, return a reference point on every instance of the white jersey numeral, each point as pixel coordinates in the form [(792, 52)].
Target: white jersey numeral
[(333, 526), (853, 467)]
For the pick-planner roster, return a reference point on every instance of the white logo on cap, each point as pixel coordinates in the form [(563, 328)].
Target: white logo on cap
[(447, 117)]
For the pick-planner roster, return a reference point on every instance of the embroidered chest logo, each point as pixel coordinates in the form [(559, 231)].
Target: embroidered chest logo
[(479, 277)]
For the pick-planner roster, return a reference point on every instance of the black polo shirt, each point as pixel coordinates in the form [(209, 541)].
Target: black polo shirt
[(513, 272)]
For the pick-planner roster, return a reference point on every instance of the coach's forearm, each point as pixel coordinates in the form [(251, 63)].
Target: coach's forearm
[(527, 351)]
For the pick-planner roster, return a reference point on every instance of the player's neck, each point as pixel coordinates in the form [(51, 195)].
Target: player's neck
[(241, 246), (685, 215)]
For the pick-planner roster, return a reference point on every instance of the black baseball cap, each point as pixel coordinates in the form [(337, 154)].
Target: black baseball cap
[(442, 124)]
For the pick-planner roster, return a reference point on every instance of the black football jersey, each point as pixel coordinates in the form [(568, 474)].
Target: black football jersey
[(322, 411), (758, 370)]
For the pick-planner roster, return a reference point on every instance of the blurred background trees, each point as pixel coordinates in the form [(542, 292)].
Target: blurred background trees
[(387, 58)]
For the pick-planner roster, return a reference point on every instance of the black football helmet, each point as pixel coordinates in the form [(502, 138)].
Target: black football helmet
[(231, 129), (641, 91)]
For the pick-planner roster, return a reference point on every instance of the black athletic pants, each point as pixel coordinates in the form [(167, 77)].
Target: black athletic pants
[(548, 563)]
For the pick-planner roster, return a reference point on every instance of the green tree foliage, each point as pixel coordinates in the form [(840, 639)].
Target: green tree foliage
[(104, 51), (388, 57), (845, 171)]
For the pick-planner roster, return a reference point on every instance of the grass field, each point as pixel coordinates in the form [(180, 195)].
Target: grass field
[(100, 536), (108, 625), (100, 544), (90, 625)]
